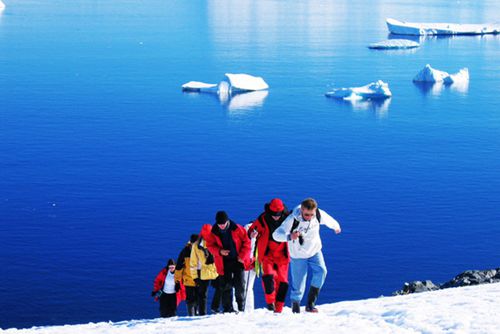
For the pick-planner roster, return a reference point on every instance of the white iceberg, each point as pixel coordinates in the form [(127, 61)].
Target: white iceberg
[(431, 75), (374, 90), (237, 91), (418, 29), (244, 83), (2, 5), (198, 86), (391, 44), (231, 83)]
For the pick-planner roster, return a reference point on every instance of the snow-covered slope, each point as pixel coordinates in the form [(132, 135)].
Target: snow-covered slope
[(472, 309)]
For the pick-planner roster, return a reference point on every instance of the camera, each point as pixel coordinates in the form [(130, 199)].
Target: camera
[(301, 240)]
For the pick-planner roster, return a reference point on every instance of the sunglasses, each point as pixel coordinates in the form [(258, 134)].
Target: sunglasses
[(276, 214)]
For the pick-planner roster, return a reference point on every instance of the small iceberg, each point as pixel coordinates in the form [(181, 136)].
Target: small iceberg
[(236, 91), (197, 86), (230, 84), (394, 44), (419, 29), (431, 75), (244, 82), (374, 90), (2, 5)]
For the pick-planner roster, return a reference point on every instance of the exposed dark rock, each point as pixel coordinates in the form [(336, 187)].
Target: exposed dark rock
[(416, 286), (473, 277), (467, 278)]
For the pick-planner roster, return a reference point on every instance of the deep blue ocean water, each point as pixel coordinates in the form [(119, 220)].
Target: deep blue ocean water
[(106, 167)]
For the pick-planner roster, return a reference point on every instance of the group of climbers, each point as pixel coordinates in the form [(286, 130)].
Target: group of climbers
[(222, 255)]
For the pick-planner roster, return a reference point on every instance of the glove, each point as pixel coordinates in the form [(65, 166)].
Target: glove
[(177, 286), (197, 281), (153, 294)]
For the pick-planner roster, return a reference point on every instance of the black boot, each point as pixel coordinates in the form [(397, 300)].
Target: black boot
[(311, 299), (191, 308), (295, 307), (270, 307)]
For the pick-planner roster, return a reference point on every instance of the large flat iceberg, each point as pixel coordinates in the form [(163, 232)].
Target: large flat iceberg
[(391, 44), (413, 28), (244, 82), (431, 75), (237, 91), (374, 90), (231, 83)]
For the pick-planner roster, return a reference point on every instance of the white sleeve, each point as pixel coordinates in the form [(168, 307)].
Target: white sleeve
[(281, 233), (329, 221)]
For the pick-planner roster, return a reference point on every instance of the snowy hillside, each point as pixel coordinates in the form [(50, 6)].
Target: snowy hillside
[(458, 310)]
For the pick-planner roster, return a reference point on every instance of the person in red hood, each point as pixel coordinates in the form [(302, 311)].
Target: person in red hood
[(272, 255), (230, 246)]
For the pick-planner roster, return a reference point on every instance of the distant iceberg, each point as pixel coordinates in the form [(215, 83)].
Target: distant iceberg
[(2, 5), (197, 86), (391, 44), (431, 75), (231, 83), (244, 82), (418, 29), (236, 91), (374, 90)]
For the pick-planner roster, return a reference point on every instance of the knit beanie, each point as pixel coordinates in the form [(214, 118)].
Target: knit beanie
[(221, 217)]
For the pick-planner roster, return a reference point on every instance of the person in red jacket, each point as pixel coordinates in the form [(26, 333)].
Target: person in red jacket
[(230, 246), (272, 255), (167, 290)]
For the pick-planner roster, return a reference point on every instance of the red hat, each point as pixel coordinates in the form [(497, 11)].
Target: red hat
[(276, 205)]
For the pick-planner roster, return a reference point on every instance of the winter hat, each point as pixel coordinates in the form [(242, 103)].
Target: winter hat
[(193, 238), (276, 205), (221, 217), (170, 262)]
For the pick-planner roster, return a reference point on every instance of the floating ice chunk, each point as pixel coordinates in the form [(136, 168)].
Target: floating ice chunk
[(429, 74), (413, 28), (394, 44), (236, 91), (231, 83), (460, 77), (374, 90), (244, 82), (197, 86)]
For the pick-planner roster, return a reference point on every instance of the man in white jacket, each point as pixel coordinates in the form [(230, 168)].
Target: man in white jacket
[(301, 230)]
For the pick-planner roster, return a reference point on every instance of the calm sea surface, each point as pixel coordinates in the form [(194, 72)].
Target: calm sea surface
[(106, 167)]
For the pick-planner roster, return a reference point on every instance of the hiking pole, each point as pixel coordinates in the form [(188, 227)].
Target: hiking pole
[(246, 288)]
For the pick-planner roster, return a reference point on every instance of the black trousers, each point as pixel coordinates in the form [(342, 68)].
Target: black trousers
[(168, 305), (202, 297), (233, 278), (192, 300), (216, 300)]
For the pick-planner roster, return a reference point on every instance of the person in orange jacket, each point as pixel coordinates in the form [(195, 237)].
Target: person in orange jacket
[(230, 246), (273, 256)]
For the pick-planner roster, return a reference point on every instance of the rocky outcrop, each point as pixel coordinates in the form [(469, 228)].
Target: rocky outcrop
[(469, 277), (473, 277)]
